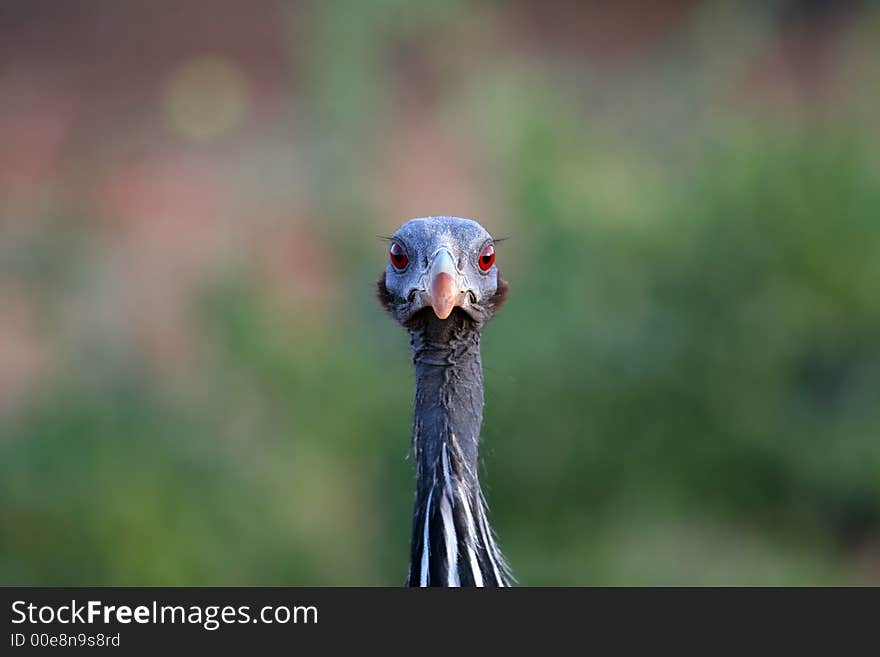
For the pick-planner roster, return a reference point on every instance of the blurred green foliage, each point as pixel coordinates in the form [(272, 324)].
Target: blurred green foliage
[(682, 389)]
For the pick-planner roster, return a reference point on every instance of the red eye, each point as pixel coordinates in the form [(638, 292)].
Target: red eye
[(487, 257), (398, 256)]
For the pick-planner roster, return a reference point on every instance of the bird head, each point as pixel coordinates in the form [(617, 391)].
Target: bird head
[(440, 265)]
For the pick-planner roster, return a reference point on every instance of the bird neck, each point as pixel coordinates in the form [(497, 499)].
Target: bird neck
[(452, 542), (449, 388)]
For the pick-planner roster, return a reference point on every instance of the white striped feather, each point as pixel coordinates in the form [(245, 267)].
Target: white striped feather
[(471, 538), (456, 491), (423, 580), (451, 541)]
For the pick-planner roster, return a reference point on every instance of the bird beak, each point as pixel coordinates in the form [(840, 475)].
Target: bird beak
[(443, 287)]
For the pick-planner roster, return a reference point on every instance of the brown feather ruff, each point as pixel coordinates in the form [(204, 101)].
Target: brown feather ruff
[(383, 293), (500, 295)]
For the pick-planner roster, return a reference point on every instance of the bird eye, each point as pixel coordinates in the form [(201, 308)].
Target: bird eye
[(487, 257), (398, 256)]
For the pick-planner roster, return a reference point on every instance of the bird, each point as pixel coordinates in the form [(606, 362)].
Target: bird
[(442, 285)]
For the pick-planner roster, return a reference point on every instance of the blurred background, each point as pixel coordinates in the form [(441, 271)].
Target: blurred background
[(198, 386)]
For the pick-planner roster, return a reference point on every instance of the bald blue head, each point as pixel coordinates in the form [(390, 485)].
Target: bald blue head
[(438, 265)]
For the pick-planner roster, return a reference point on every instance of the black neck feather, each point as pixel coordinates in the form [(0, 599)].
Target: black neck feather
[(449, 388), (447, 415)]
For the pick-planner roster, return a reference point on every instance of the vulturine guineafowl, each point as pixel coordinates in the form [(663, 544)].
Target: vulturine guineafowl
[(442, 285)]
